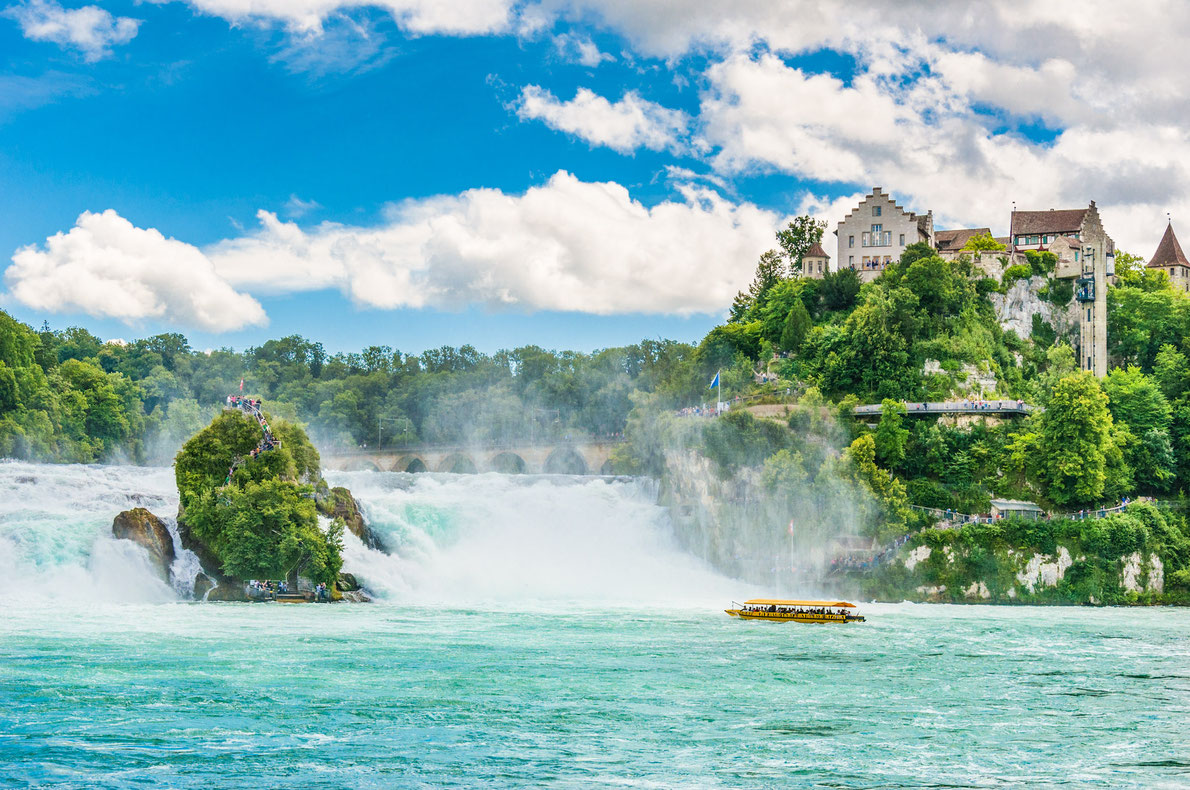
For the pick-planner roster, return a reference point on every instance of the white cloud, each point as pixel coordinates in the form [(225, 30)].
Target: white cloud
[(106, 267), (297, 208), (568, 245), (625, 125), (423, 17), (581, 50), (91, 30)]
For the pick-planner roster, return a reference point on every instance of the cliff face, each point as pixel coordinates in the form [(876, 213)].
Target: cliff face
[(706, 510), (982, 568), (1016, 308)]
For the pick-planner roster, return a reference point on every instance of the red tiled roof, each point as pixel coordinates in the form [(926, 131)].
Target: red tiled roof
[(1062, 221), (816, 251), (1169, 252), (953, 240)]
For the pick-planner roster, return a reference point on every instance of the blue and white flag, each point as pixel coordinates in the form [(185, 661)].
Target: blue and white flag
[(715, 383)]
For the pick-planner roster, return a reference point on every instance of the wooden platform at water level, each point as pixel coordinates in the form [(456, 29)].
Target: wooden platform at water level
[(295, 597)]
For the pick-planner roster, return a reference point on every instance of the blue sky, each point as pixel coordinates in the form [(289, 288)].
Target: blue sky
[(502, 173)]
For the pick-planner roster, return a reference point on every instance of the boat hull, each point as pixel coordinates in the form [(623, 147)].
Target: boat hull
[(786, 617)]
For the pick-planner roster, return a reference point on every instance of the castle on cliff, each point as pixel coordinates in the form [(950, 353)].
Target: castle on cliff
[(875, 233)]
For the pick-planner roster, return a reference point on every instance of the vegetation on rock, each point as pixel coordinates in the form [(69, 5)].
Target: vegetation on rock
[(263, 523)]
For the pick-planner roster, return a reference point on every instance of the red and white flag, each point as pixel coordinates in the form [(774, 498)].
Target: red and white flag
[(241, 385)]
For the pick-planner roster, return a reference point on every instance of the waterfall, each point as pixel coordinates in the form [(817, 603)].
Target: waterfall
[(55, 532), (506, 538), (458, 539)]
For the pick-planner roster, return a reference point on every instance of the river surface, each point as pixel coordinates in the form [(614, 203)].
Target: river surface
[(511, 646)]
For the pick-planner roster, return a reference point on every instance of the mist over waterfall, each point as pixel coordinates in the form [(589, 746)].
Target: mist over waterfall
[(56, 531), (504, 538), (455, 539)]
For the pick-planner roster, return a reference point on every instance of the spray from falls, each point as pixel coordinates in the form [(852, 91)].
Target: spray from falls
[(55, 533), (471, 539)]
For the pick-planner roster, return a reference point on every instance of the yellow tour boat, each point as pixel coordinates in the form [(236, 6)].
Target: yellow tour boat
[(796, 611)]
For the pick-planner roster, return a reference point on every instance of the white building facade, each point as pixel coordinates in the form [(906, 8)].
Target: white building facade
[(876, 232)]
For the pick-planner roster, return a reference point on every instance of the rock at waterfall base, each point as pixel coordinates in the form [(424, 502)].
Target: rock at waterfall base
[(203, 584), (341, 504), (146, 530)]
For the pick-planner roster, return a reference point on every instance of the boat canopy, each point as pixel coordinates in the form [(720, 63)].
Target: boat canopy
[(775, 602)]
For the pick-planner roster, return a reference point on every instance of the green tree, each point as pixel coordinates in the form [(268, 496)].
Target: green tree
[(1172, 372), (1127, 263), (981, 242), (1075, 440), (1137, 403), (798, 237), (262, 522), (891, 435), (797, 325), (840, 289)]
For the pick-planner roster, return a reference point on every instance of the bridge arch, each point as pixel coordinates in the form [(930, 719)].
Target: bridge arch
[(565, 461), (411, 464), (606, 469), (458, 464), (508, 463), (361, 465)]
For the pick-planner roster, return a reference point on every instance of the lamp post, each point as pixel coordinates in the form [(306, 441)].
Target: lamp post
[(380, 422)]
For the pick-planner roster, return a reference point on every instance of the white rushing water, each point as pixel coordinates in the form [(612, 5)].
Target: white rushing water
[(493, 538), (455, 539), (55, 532)]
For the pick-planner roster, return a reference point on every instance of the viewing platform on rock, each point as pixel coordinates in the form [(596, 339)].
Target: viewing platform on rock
[(1003, 407)]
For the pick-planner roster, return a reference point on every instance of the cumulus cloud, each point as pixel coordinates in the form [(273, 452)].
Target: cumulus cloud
[(625, 125), (567, 245), (458, 17), (91, 30), (106, 267), (942, 107)]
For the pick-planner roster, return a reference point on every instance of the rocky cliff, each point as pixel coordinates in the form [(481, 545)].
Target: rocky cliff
[(1016, 308), (1118, 560)]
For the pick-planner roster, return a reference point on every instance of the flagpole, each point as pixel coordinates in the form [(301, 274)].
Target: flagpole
[(719, 393)]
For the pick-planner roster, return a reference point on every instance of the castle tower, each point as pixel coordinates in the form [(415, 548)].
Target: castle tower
[(815, 263)]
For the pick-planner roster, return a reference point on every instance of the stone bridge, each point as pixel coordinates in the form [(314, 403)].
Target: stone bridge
[(567, 458)]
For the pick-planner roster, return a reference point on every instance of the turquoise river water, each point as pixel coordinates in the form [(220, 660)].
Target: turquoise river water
[(512, 645)]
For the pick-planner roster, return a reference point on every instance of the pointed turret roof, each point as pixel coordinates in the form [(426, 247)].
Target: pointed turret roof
[(1169, 252), (816, 251)]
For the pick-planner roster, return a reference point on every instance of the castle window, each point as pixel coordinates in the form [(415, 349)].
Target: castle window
[(850, 241), (902, 239)]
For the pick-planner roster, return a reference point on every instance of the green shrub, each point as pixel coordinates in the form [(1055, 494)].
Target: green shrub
[(1013, 273)]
